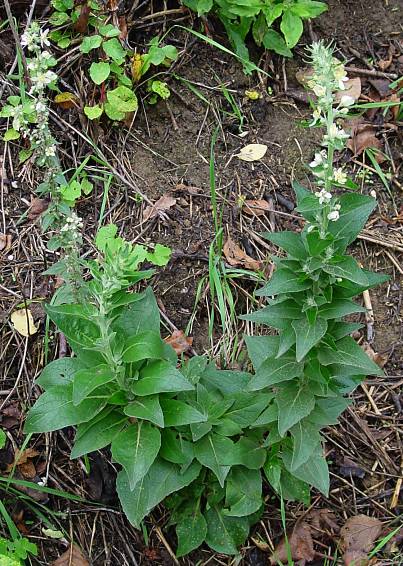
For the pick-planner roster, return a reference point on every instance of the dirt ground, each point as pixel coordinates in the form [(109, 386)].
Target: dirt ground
[(166, 151)]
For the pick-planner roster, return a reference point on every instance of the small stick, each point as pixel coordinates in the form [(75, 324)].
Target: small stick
[(171, 115), (371, 73), (17, 41), (369, 315), (165, 543)]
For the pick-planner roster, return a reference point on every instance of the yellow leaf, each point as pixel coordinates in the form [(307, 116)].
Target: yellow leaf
[(66, 100), (23, 322), (137, 63), (252, 152), (252, 94)]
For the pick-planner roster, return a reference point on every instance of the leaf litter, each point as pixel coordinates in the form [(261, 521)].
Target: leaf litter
[(163, 204), (72, 557), (236, 257)]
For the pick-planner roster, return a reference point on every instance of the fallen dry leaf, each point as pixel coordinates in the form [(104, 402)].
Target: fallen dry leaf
[(23, 322), (350, 468), (352, 88), (81, 24), (66, 100), (72, 557), (363, 137), (24, 462), (122, 25), (238, 258), (164, 203), (357, 539), (257, 207), (379, 359), (5, 242), (188, 189), (300, 544), (252, 152), (323, 518), (38, 206), (179, 342)]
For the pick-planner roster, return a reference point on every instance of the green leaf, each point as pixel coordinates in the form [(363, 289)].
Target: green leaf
[(71, 192), (339, 308), (199, 6), (327, 411), (96, 435), (191, 530), (316, 244), (11, 134), (93, 112), (55, 409), (59, 372), (308, 8), (259, 29), (225, 534), (14, 100), (86, 380), (294, 489), (175, 448), (90, 42), (272, 470), (284, 281), (147, 408), (306, 439), (243, 494), (260, 348), (272, 12), (161, 480), (3, 439), (114, 50), (292, 28), (274, 370), (99, 72), (209, 450), (141, 316), (308, 335), (136, 448), (247, 407), (122, 99), (275, 315), (349, 353), (347, 268), (287, 339), (143, 346), (269, 415), (74, 323), (159, 377), (246, 452), (273, 41), (354, 212), (294, 403), (314, 471), (341, 329), (160, 88), (109, 30), (160, 256), (178, 413)]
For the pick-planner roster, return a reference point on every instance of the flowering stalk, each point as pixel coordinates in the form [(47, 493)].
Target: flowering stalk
[(30, 119), (328, 82)]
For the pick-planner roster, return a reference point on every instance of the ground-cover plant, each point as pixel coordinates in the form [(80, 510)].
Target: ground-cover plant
[(313, 361), (113, 67), (258, 16)]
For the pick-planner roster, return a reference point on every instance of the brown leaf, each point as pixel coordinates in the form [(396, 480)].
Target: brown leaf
[(67, 100), (363, 137), (322, 518), (72, 557), (300, 544), (357, 539), (38, 206), (379, 359), (179, 342), (81, 24), (23, 460), (238, 258), (257, 207), (352, 88), (5, 242), (123, 28), (349, 468), (188, 189), (164, 203)]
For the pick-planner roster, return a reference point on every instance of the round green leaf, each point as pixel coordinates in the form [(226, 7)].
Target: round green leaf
[(99, 72)]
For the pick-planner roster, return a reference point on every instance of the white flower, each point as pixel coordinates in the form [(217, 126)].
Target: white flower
[(44, 38), (337, 207), (50, 151), (339, 176), (319, 90), (318, 159), (323, 196), (336, 133), (334, 215), (46, 55), (346, 101), (40, 107)]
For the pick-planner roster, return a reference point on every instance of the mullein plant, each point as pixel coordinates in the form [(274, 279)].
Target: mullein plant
[(312, 363), (29, 116)]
